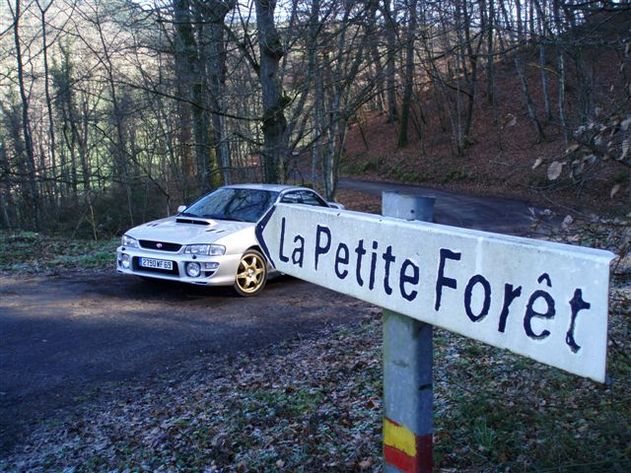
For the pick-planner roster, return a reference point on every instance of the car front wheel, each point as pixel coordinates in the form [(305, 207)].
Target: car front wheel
[(251, 274)]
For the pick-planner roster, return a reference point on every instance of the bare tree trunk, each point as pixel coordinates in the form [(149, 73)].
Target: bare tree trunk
[(542, 32), (202, 128), (562, 119), (187, 48), (532, 113), (520, 25), (12, 123), (5, 185), (318, 98), (35, 204), (472, 75), (409, 73), (274, 102), (372, 33), (487, 10), (216, 11), (73, 119), (544, 82), (556, 7), (391, 50), (49, 104), (184, 81)]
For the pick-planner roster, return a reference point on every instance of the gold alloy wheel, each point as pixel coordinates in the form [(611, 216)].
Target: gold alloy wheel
[(251, 273)]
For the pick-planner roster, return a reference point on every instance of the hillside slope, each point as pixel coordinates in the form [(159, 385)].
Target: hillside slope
[(503, 147)]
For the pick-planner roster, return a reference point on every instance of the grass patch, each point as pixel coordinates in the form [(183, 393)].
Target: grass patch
[(29, 252), (508, 413), (455, 175), (361, 166)]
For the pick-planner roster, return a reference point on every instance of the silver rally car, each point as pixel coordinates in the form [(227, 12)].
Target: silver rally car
[(211, 242)]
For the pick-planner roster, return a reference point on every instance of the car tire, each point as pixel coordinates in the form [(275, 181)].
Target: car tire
[(251, 274)]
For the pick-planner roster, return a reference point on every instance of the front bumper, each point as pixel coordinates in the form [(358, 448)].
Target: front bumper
[(215, 270)]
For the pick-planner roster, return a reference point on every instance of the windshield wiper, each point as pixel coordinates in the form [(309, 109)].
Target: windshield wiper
[(188, 214)]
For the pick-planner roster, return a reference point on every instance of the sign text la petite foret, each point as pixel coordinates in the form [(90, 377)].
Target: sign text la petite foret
[(543, 300)]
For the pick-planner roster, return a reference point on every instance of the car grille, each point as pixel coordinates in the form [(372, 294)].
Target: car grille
[(160, 245), (135, 264)]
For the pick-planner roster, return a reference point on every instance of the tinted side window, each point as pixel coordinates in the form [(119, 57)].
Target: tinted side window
[(291, 198), (310, 198), (303, 197)]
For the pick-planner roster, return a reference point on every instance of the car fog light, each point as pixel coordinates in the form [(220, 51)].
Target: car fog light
[(125, 261), (211, 266), (193, 269)]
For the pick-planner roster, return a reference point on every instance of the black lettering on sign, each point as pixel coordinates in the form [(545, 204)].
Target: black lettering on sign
[(577, 304), (361, 251), (405, 278), (468, 294), (443, 281), (321, 248), (298, 255), (545, 297), (373, 265), (510, 295), (389, 258), (282, 257), (341, 258)]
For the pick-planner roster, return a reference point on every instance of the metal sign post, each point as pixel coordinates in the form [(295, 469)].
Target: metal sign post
[(407, 367)]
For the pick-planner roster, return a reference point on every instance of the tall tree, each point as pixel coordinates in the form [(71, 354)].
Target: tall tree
[(43, 9), (271, 51), (215, 11), (389, 14), (29, 152), (187, 46), (408, 81)]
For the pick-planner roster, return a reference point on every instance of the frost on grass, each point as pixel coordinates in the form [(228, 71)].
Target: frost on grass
[(35, 253), (315, 405)]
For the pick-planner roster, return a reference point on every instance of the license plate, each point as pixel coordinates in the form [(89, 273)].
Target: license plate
[(156, 263)]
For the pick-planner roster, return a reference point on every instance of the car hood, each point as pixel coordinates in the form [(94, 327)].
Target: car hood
[(186, 230)]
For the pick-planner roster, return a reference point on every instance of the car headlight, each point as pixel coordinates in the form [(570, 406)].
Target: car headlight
[(203, 249), (128, 241)]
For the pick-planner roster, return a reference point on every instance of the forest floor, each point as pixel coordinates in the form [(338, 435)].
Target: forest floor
[(485, 170)]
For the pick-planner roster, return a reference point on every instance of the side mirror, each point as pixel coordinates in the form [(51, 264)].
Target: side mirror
[(335, 205), (181, 209)]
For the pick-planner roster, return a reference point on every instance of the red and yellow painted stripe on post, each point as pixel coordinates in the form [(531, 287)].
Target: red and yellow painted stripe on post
[(405, 450)]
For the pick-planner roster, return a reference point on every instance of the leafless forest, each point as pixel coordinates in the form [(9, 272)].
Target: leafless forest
[(114, 111)]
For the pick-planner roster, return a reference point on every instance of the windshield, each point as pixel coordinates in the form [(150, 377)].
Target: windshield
[(242, 205)]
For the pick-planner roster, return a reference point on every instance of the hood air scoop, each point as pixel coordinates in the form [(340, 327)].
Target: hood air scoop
[(193, 221)]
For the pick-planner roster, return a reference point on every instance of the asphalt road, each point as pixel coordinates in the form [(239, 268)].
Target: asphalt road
[(460, 210), (64, 336)]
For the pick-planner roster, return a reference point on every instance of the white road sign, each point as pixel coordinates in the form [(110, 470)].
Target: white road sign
[(547, 301)]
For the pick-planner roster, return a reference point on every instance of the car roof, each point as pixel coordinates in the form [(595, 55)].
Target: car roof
[(267, 187)]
